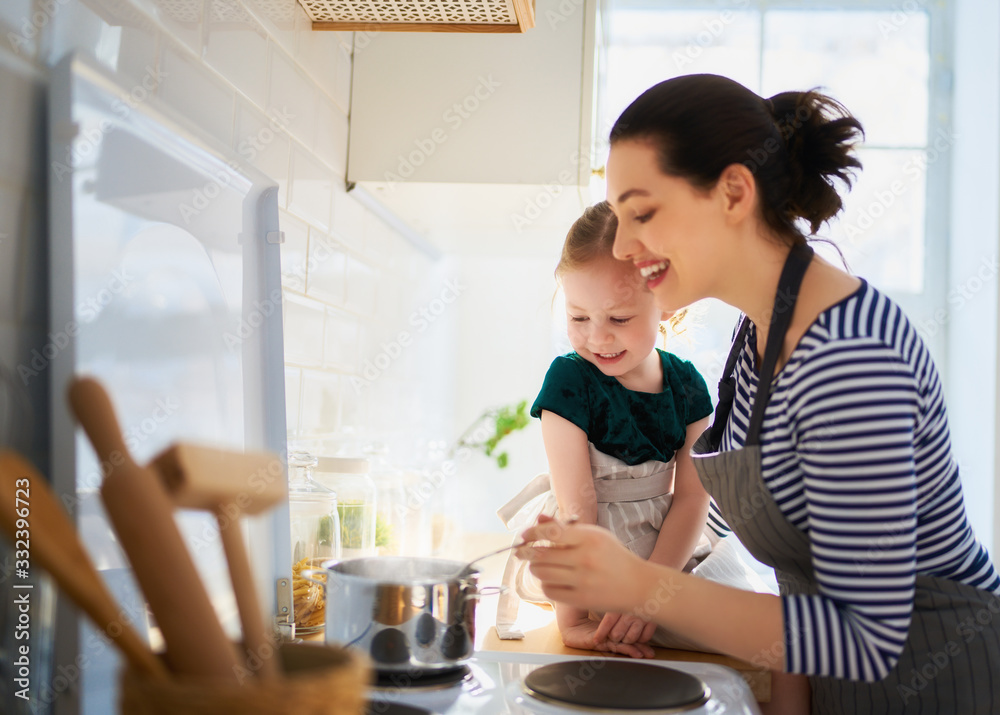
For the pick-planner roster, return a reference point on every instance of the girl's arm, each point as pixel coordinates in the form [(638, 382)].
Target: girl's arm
[(568, 453), (569, 467), (685, 522), (573, 484)]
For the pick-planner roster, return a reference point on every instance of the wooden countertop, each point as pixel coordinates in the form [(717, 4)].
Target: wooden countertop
[(542, 636)]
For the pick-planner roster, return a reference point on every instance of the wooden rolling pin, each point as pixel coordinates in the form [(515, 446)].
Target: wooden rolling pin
[(230, 484), (142, 514), (55, 546)]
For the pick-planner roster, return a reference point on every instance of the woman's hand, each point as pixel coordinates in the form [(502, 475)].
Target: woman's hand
[(586, 567), (584, 635)]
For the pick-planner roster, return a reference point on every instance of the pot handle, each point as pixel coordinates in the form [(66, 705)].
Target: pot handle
[(488, 591), (307, 573)]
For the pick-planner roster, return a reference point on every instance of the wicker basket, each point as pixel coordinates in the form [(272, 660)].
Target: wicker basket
[(319, 680)]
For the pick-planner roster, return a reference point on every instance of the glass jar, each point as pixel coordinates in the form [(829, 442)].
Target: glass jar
[(315, 536), (399, 527), (356, 502)]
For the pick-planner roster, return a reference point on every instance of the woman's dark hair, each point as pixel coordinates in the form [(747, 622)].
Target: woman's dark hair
[(794, 143)]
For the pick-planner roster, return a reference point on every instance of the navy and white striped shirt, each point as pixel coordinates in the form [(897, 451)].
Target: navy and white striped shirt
[(856, 452)]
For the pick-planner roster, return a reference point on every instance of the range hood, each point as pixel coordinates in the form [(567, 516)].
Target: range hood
[(421, 15)]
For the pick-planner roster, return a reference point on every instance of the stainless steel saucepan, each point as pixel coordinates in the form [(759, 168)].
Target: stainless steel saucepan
[(404, 613)]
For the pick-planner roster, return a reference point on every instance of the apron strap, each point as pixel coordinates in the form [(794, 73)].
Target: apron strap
[(784, 305), (781, 316), (727, 387)]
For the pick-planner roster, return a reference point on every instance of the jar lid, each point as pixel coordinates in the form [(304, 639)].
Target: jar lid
[(343, 465), (310, 490), (301, 458)]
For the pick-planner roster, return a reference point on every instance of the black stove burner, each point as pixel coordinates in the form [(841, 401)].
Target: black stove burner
[(383, 708), (417, 679), (616, 686)]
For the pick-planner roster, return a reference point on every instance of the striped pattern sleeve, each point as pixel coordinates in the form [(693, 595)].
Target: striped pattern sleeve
[(855, 405), (716, 522)]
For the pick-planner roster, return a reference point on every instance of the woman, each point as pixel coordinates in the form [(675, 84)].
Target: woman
[(829, 455)]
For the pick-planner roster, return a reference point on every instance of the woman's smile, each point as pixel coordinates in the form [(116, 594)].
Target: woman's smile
[(653, 272)]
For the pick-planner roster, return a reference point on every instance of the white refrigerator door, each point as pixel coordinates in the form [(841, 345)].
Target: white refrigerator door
[(164, 260)]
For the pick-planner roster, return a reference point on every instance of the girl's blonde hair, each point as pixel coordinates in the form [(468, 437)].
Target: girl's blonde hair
[(592, 238)]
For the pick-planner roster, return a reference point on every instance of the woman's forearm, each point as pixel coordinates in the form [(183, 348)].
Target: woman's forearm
[(586, 567), (743, 624)]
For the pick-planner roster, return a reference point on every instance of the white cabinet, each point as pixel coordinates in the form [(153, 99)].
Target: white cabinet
[(489, 135)]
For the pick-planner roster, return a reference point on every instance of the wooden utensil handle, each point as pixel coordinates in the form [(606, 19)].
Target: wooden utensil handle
[(255, 636), (142, 514), (95, 413), (54, 546)]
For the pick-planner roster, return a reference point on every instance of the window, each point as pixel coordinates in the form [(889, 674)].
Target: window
[(886, 62)]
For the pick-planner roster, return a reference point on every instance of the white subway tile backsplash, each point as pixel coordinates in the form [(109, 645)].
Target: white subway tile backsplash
[(193, 90), (354, 405), (320, 405), (377, 241), (341, 349), (183, 20), (263, 142), (311, 188), (283, 20), (303, 327), (346, 40), (294, 252), (288, 87), (236, 47), (331, 135), (342, 80), (327, 279), (348, 218), (362, 285), (318, 52)]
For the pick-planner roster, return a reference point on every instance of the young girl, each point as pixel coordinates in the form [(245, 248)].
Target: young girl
[(618, 418)]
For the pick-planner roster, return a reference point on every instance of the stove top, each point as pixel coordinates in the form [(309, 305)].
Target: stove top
[(495, 686)]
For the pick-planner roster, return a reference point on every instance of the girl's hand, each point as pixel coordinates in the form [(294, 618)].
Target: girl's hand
[(584, 636), (624, 628), (585, 566)]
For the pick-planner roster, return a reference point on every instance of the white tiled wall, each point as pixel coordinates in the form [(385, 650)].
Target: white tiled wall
[(253, 75)]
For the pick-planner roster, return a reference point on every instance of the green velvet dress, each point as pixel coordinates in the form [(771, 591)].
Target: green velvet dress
[(631, 426)]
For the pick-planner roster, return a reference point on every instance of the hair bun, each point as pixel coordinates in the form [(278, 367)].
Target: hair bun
[(820, 135)]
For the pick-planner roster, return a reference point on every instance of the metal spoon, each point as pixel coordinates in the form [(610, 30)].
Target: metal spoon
[(468, 566)]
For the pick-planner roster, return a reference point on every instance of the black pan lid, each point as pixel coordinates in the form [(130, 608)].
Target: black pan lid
[(617, 686)]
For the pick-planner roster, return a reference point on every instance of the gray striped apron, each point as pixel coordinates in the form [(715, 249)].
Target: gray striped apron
[(951, 657)]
